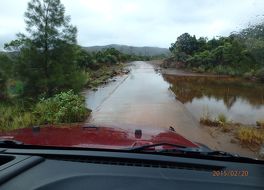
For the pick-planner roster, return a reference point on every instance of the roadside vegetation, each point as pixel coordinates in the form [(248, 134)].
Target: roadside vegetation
[(13, 116), (251, 136), (43, 71), (65, 107), (239, 54)]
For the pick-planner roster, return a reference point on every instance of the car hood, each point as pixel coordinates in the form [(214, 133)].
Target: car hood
[(89, 136)]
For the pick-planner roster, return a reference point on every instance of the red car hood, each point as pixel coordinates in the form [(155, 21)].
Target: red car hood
[(93, 137)]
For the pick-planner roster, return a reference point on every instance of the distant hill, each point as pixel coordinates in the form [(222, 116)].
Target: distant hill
[(144, 51)]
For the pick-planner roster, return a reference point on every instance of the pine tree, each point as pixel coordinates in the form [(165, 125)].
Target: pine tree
[(47, 61)]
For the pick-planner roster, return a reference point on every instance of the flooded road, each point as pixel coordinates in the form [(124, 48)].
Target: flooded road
[(143, 100)]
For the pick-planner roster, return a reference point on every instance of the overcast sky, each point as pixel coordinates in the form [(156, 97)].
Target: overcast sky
[(141, 22)]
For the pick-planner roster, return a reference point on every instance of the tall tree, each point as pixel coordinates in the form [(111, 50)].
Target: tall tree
[(185, 43), (47, 51)]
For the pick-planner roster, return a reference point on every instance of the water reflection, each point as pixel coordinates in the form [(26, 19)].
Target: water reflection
[(240, 100)]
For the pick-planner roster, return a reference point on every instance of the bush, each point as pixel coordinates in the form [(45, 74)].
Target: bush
[(260, 74), (65, 107), (248, 75)]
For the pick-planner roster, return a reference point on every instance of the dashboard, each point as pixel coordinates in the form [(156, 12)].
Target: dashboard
[(41, 169)]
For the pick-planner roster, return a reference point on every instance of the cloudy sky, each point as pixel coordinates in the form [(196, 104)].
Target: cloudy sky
[(141, 22)]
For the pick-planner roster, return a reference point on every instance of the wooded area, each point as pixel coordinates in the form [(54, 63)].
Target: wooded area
[(239, 54)]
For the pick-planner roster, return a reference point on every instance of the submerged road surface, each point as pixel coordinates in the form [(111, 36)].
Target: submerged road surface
[(142, 100)]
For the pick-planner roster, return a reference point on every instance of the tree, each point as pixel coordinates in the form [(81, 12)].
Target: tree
[(253, 37), (201, 43), (47, 59), (6, 64), (6, 71), (185, 43), (114, 54), (3, 90)]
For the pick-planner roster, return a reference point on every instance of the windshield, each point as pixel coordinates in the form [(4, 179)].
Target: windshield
[(126, 74)]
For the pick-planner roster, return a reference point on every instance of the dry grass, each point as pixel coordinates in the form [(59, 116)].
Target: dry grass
[(222, 118), (207, 120), (226, 128), (250, 135)]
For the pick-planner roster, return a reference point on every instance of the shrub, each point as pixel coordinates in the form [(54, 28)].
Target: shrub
[(260, 74), (65, 107), (247, 75), (249, 135)]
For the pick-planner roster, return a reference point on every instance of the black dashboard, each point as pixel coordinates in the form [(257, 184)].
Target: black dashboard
[(41, 169)]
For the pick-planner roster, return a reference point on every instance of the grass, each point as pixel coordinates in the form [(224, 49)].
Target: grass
[(250, 136), (14, 117), (226, 128), (260, 123), (206, 119), (247, 135), (209, 122), (222, 118)]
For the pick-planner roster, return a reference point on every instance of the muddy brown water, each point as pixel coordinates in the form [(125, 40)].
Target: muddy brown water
[(239, 100)]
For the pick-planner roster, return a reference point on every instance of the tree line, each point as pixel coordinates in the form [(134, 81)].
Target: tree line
[(47, 59), (240, 53)]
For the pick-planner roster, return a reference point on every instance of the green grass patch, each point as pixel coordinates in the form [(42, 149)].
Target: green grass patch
[(14, 117)]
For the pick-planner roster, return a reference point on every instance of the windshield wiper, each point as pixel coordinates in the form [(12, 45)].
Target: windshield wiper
[(10, 142), (188, 151), (147, 147)]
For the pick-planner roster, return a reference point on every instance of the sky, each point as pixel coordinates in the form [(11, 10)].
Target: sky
[(141, 22)]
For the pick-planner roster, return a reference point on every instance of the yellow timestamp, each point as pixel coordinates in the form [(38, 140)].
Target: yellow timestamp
[(218, 173)]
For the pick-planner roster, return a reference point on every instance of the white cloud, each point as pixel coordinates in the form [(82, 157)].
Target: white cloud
[(141, 22)]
